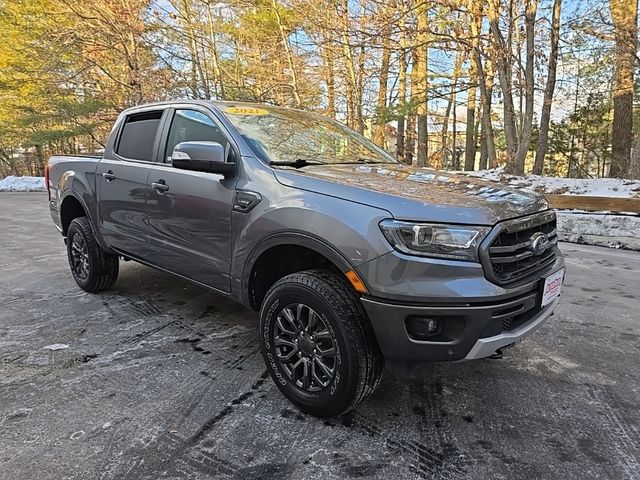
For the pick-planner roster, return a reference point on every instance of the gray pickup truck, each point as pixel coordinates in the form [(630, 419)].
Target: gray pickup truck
[(350, 257)]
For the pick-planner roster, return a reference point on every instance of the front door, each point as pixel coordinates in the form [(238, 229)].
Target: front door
[(121, 184), (190, 216)]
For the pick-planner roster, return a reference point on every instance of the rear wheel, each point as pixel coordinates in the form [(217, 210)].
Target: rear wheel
[(92, 268), (318, 344)]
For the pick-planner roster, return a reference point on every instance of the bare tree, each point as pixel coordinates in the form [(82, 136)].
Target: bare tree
[(402, 98), (381, 121), (488, 153), (541, 151), (503, 64), (524, 140), (470, 140), (420, 82), (284, 37), (451, 105), (624, 14)]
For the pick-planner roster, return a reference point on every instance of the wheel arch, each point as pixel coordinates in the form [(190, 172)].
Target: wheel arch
[(73, 206), (267, 262)]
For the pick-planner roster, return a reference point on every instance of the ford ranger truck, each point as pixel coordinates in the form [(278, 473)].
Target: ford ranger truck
[(350, 257)]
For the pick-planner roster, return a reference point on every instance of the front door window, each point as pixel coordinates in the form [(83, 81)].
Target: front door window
[(192, 126)]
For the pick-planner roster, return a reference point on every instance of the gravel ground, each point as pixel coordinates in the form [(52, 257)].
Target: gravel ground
[(163, 379)]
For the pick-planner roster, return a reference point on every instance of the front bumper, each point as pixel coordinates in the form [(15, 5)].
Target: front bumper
[(485, 347), (468, 330)]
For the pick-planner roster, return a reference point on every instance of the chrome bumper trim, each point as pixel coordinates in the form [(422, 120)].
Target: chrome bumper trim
[(485, 347)]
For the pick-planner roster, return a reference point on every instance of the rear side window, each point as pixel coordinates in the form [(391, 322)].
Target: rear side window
[(138, 135), (192, 126)]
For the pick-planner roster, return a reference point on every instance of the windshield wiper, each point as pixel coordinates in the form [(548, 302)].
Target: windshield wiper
[(297, 163), (367, 161)]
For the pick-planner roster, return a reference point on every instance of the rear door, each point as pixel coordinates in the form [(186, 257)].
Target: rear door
[(121, 183), (190, 218)]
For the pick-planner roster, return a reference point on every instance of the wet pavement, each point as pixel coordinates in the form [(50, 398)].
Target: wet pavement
[(164, 379)]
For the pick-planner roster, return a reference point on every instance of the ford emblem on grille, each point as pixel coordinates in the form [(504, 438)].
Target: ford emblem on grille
[(539, 243)]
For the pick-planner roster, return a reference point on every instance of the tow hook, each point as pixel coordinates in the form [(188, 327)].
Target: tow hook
[(497, 355)]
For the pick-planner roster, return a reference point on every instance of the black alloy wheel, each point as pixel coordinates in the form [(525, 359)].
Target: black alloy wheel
[(305, 347), (79, 256), (318, 344), (92, 268)]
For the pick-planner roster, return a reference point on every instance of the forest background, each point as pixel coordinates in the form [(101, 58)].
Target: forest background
[(539, 86)]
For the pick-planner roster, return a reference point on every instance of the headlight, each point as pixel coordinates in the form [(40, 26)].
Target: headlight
[(459, 242)]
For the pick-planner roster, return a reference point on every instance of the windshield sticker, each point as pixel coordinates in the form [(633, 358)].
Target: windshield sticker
[(246, 111)]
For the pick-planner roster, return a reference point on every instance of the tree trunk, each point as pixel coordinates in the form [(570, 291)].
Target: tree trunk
[(484, 161), (527, 126), (454, 138), (503, 67), (196, 63), (40, 161), (445, 128), (411, 138), (284, 38), (402, 98), (420, 83), (624, 14), (350, 72), (488, 157), (545, 119), (330, 81), (451, 104), (361, 62), (135, 82), (379, 131), (470, 139), (486, 91), (634, 167), (476, 131), (218, 80), (470, 132)]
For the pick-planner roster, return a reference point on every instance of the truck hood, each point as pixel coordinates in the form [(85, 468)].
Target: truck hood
[(419, 194)]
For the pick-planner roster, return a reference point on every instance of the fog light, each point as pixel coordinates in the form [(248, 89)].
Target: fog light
[(422, 328), (432, 326)]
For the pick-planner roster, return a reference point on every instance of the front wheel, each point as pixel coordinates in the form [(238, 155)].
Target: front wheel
[(318, 344), (92, 268)]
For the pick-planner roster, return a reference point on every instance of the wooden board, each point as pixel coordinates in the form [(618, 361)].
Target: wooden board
[(594, 204)]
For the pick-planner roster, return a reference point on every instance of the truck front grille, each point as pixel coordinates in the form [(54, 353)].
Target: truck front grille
[(511, 255)]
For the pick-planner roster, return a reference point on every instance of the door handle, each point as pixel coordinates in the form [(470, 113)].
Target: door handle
[(109, 176), (160, 186)]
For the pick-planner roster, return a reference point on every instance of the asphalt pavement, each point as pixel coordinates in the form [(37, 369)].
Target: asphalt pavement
[(164, 379)]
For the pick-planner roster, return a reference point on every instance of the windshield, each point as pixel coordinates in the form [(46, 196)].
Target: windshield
[(280, 136)]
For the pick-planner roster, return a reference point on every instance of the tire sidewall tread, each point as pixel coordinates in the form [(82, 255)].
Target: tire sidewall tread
[(355, 339), (103, 267)]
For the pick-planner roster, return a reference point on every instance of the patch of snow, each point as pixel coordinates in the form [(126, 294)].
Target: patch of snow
[(57, 346), (609, 230), (22, 184), (596, 187)]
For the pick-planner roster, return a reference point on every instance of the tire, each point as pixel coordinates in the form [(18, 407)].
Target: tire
[(92, 268), (331, 310)]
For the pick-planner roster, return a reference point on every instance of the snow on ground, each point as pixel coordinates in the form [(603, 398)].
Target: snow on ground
[(22, 184), (596, 187), (605, 230)]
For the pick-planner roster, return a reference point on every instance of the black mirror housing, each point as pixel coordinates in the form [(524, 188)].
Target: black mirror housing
[(202, 157)]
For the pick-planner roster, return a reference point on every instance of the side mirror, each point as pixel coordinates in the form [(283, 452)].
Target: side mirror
[(202, 157)]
